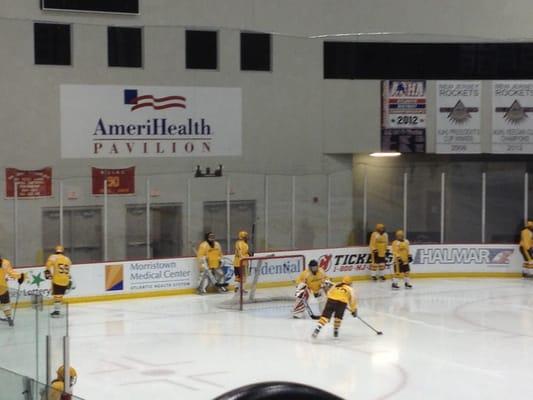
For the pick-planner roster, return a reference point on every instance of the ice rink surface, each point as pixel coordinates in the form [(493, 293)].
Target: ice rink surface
[(445, 339)]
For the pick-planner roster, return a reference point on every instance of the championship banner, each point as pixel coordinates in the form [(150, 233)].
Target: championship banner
[(30, 184), (119, 181), (512, 118), (403, 116), (100, 121), (458, 117)]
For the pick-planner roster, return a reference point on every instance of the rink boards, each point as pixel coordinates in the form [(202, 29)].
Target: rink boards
[(146, 278)]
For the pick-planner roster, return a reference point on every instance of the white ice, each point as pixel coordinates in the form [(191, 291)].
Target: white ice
[(445, 339)]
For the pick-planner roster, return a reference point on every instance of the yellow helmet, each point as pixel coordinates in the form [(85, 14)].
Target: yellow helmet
[(73, 374), (243, 235), (529, 224), (399, 234), (347, 280), (380, 227), (59, 249)]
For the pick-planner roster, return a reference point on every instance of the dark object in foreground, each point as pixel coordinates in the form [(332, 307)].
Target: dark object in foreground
[(277, 391)]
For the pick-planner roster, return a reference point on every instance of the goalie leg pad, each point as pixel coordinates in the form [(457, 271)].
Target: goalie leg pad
[(299, 305)]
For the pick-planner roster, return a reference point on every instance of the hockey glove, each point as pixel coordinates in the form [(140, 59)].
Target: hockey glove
[(410, 258), (21, 279), (47, 274), (354, 313)]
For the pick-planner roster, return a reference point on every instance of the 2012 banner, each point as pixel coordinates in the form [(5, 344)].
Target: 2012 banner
[(29, 184), (512, 118), (116, 181), (403, 116)]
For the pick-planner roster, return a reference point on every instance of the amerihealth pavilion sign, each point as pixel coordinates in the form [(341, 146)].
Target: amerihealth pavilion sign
[(100, 121)]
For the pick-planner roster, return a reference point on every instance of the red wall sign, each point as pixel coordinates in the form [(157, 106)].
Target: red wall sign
[(119, 181), (29, 184)]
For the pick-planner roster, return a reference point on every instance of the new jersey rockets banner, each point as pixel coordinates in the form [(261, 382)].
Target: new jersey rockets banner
[(119, 180), (512, 117), (403, 116), (30, 184), (100, 121), (458, 117)]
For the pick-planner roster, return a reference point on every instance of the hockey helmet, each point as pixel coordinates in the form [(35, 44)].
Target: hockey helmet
[(380, 227), (59, 249), (313, 265), (243, 235), (399, 234), (73, 374), (347, 280)]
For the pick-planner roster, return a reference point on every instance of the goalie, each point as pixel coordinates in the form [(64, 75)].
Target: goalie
[(209, 256), (312, 281)]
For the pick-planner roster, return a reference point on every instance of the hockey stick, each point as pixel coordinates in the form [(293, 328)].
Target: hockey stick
[(370, 326), (311, 314), (16, 303)]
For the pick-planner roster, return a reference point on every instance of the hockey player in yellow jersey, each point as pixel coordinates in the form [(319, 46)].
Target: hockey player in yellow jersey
[(401, 260), (209, 257), (58, 270), (311, 281), (526, 248), (7, 272), (56, 390), (242, 251), (340, 297), (379, 240)]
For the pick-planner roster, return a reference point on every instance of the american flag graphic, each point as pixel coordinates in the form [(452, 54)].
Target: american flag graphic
[(131, 97)]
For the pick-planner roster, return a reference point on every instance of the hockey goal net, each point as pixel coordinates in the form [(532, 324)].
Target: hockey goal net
[(268, 279)]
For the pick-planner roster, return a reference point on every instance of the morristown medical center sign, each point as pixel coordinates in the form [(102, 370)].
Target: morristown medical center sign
[(101, 121)]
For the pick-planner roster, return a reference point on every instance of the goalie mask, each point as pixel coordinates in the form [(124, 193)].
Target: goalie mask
[(313, 266)]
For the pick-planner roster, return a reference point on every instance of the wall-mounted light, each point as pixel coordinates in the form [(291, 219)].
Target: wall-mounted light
[(198, 173), (387, 154)]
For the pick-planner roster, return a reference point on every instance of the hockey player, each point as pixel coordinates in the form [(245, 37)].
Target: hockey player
[(311, 281), (209, 256), (242, 250), (340, 296), (6, 272), (379, 241), (526, 248), (58, 270), (56, 389), (401, 260)]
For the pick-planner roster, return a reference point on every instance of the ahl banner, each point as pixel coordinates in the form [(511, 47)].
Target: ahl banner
[(403, 116), (118, 181), (29, 184), (512, 118), (100, 121), (458, 117)]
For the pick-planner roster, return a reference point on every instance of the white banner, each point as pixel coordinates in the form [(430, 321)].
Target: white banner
[(149, 276), (458, 117), (100, 121), (512, 118)]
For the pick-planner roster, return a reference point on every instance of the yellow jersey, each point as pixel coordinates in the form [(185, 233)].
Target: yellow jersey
[(313, 281), (400, 250), (343, 293), (59, 267), (526, 238), (242, 250), (6, 271), (379, 242), (56, 391), (213, 254)]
